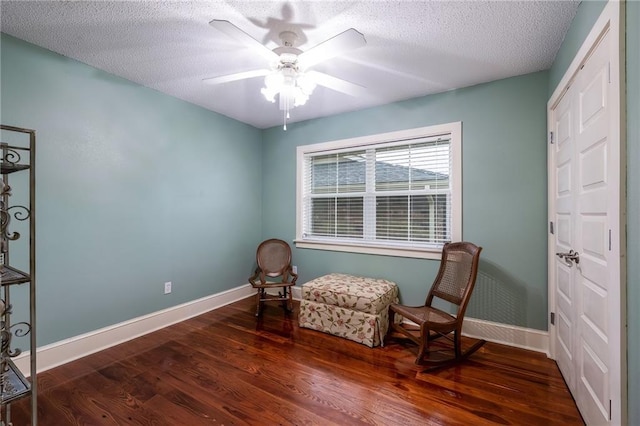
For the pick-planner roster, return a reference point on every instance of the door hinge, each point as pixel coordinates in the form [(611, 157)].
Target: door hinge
[(552, 318), (609, 410), (551, 137), (609, 239), (609, 71), (551, 228)]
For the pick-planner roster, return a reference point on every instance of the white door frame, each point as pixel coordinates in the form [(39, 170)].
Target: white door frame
[(612, 19)]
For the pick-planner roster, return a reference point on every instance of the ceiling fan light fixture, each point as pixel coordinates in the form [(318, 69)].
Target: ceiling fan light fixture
[(275, 80), (292, 87), (299, 98), (286, 76), (269, 94), (306, 84), (273, 84)]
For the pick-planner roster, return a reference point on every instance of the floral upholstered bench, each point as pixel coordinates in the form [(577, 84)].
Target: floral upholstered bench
[(356, 308)]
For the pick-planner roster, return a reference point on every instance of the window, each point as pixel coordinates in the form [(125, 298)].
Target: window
[(396, 193)]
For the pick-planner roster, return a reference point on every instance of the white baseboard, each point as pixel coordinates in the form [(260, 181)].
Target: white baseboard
[(296, 292), (76, 347), (61, 352), (510, 335)]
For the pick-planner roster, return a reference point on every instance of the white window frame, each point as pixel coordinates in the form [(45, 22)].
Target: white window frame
[(452, 130)]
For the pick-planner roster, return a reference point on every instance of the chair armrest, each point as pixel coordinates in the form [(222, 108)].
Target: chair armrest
[(253, 278), (294, 276)]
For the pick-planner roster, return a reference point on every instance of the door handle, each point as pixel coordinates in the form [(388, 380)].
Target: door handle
[(571, 256)]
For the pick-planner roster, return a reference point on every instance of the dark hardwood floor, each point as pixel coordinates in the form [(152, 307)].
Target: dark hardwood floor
[(225, 368)]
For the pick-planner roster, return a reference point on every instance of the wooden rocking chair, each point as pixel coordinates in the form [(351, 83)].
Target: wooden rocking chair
[(454, 283), (274, 260)]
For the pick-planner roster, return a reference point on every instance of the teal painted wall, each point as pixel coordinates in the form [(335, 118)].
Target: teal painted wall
[(587, 14), (129, 192), (134, 188), (504, 193), (586, 17), (633, 208)]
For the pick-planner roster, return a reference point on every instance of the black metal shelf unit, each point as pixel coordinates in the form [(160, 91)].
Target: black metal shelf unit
[(17, 219)]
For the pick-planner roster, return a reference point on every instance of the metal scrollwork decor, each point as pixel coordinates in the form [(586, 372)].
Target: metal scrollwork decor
[(11, 156), (17, 167), (5, 333)]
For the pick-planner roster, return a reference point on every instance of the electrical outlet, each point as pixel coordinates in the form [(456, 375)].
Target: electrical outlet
[(294, 269), (167, 287)]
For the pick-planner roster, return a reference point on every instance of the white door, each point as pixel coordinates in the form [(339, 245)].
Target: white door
[(563, 219), (585, 200)]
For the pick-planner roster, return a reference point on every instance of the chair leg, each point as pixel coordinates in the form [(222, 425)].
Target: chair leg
[(473, 348), (287, 303), (290, 301), (457, 344), (458, 356), (390, 329), (424, 344), (258, 301)]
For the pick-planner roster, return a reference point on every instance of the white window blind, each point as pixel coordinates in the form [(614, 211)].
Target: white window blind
[(412, 193), (335, 188), (399, 191)]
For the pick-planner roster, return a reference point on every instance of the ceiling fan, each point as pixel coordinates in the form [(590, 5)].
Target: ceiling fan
[(288, 75)]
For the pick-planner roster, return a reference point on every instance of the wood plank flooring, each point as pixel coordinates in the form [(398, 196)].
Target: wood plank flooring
[(228, 368)]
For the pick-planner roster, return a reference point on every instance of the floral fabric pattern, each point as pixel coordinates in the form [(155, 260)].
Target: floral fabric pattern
[(355, 308)]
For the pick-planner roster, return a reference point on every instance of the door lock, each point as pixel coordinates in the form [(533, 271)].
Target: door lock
[(571, 256)]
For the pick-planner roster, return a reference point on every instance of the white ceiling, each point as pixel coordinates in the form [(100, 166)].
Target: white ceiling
[(414, 48)]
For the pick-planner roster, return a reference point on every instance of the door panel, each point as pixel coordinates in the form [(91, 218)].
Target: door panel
[(563, 322), (582, 211), (595, 385), (592, 299), (565, 343), (593, 166), (564, 229), (564, 127), (594, 232), (591, 277), (564, 179), (592, 97), (586, 203)]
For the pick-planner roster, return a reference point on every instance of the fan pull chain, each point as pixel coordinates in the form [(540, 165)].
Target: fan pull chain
[(285, 114), (286, 111)]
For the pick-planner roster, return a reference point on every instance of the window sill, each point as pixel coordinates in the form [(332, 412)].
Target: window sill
[(367, 249)]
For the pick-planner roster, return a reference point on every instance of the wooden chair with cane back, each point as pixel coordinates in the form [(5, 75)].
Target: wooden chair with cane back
[(454, 284), (274, 260)]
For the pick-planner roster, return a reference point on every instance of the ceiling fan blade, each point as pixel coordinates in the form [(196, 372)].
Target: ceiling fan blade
[(234, 32), (337, 45), (337, 84), (237, 76)]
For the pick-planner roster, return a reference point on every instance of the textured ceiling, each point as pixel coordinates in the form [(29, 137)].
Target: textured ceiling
[(414, 48)]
